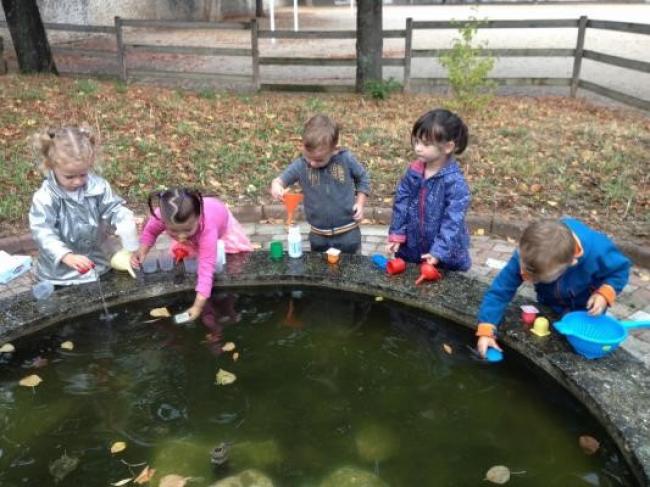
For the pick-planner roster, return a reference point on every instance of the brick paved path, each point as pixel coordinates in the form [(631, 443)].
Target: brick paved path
[(489, 254)]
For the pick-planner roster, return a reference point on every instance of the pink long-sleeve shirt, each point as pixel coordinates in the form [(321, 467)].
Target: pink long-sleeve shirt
[(213, 226)]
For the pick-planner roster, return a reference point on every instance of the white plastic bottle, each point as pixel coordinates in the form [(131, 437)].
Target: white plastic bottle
[(294, 241)]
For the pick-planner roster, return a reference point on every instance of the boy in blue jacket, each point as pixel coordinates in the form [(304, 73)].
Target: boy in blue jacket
[(572, 267)]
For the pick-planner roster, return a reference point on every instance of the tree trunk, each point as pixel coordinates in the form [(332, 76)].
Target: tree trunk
[(28, 35), (259, 8), (370, 42)]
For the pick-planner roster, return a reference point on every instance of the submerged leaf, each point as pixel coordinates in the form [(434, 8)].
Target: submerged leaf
[(160, 313), (589, 444), (228, 347), (447, 348), (499, 474), (30, 381), (145, 476), (7, 348), (224, 377), (235, 356), (379, 298), (61, 467), (118, 446), (173, 480), (67, 345)]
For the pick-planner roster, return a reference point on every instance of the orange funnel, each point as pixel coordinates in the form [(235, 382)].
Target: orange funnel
[(291, 202)]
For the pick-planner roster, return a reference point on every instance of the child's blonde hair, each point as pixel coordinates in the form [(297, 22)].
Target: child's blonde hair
[(66, 146), (320, 131), (544, 245)]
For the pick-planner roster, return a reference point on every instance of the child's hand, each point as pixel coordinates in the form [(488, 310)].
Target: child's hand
[(358, 212), (194, 312), (430, 259), (596, 305), (80, 263), (138, 256), (392, 247), (485, 342), (277, 190)]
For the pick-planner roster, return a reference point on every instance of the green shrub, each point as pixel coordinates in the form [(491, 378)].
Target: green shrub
[(468, 67), (381, 90)]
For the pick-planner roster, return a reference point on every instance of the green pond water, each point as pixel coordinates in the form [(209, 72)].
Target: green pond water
[(325, 380)]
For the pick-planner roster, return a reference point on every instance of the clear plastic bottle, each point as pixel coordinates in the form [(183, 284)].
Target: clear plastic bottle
[(220, 261), (294, 241)]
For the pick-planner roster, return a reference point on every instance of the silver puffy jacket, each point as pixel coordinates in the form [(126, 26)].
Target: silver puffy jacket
[(61, 224)]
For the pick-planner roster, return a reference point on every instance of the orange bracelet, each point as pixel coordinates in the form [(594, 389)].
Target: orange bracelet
[(485, 330)]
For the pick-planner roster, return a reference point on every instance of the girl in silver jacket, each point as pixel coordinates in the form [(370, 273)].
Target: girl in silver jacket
[(73, 209)]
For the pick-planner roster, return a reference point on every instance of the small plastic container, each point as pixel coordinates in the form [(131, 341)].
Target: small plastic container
[(150, 264), (191, 265), (294, 242), (42, 290), (220, 260), (333, 255), (275, 250), (128, 234), (166, 262)]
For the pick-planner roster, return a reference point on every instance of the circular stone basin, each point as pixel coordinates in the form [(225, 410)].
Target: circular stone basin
[(331, 389)]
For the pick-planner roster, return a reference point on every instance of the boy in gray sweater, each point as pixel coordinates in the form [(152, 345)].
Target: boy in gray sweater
[(334, 184)]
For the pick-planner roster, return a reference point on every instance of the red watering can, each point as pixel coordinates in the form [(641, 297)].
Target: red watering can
[(180, 252), (395, 266), (428, 272)]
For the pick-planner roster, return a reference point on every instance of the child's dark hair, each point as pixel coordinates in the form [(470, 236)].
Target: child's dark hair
[(177, 205), (440, 126)]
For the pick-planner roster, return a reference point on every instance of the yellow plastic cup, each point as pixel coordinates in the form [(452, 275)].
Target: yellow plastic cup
[(541, 327)]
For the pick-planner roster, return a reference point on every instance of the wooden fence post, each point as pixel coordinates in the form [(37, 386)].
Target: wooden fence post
[(121, 54), (577, 60), (408, 52), (255, 53), (3, 63)]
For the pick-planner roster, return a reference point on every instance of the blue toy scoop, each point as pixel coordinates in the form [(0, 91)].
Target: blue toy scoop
[(595, 336), (493, 355), (379, 261)]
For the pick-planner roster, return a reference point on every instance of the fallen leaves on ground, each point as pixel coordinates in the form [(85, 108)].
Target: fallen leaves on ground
[(30, 381), (224, 377), (160, 313), (118, 446), (589, 444), (68, 345)]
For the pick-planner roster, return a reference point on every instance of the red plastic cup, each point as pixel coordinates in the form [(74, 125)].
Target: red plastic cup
[(395, 266), (428, 272), (528, 317)]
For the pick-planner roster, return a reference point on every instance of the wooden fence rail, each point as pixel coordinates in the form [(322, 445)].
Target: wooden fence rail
[(3, 63), (579, 53)]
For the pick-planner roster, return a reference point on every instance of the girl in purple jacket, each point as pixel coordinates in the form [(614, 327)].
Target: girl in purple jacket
[(432, 198)]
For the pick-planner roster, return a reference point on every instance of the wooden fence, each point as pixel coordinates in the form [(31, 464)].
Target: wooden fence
[(3, 63), (126, 71)]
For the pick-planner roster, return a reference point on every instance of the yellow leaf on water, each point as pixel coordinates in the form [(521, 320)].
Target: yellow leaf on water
[(447, 348), (30, 381), (224, 377), (160, 313), (67, 345), (119, 483), (173, 480), (235, 356), (379, 298), (145, 476), (7, 348), (589, 444), (498, 474), (118, 446), (228, 347)]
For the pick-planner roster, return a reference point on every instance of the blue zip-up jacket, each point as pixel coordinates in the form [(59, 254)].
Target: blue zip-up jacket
[(429, 216), (599, 263)]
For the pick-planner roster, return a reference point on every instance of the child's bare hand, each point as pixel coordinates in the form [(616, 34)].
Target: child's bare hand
[(277, 190), (430, 259), (80, 263), (194, 312), (358, 212), (138, 256), (485, 342), (596, 305), (392, 247)]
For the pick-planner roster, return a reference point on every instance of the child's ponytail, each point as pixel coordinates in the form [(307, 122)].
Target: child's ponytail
[(177, 205)]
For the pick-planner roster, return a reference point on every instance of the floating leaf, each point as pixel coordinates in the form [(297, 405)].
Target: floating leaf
[(480, 232), (235, 356), (499, 474), (224, 377), (7, 348), (30, 381), (228, 347), (160, 313), (38, 362), (447, 348), (379, 298), (145, 476), (67, 345), (173, 480), (589, 444), (118, 446), (61, 467), (119, 483)]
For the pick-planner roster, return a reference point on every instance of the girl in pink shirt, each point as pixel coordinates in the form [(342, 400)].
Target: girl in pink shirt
[(197, 223)]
